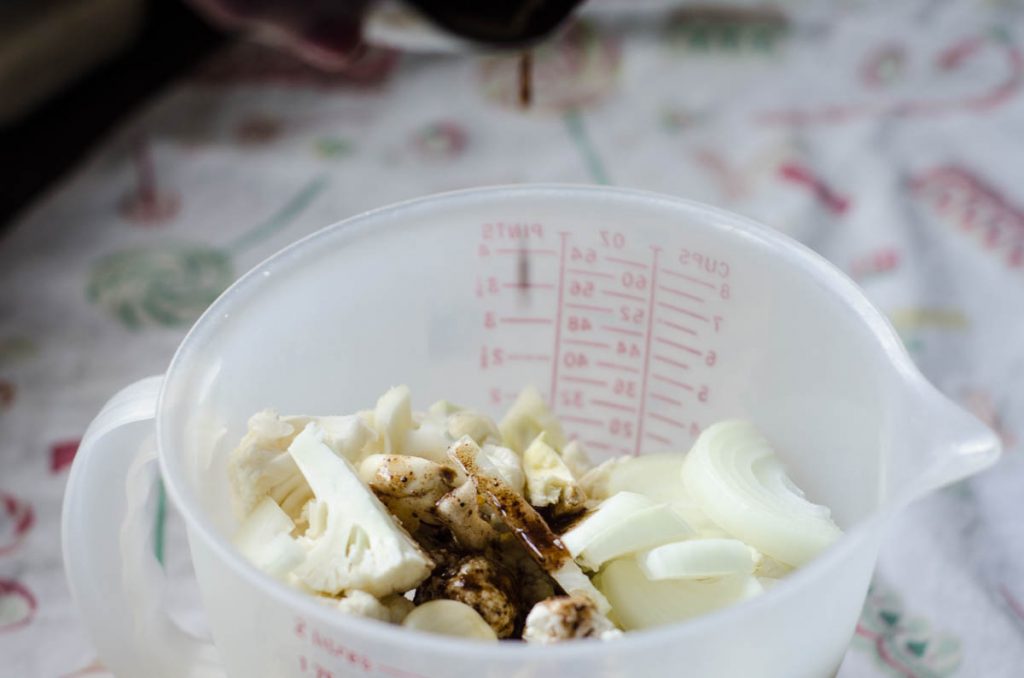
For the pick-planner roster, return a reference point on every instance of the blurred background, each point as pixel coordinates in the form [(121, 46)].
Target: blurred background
[(152, 151)]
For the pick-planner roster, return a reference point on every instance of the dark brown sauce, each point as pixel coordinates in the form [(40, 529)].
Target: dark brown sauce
[(526, 524), (526, 79)]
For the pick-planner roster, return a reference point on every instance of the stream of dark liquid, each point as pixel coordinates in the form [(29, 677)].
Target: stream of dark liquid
[(526, 79)]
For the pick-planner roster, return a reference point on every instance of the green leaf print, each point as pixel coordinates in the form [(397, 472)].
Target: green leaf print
[(904, 646), (171, 284), (168, 285)]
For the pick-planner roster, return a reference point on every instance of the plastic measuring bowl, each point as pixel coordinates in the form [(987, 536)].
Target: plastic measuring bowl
[(643, 318)]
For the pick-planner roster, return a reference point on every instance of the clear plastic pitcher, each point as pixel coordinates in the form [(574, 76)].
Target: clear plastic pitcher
[(642, 318)]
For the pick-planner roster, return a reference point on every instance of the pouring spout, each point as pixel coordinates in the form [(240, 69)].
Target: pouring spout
[(946, 444)]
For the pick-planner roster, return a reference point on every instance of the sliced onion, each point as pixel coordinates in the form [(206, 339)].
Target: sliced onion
[(697, 559), (642, 530), (639, 603), (656, 476), (609, 513), (697, 519), (735, 477)]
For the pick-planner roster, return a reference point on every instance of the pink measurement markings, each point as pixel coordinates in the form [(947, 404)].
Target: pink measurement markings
[(669, 361), (685, 311), (585, 380), (585, 342), (675, 382), (680, 293), (677, 326), (528, 286), (620, 330), (616, 366), (562, 237), (586, 421), (667, 420), (612, 406), (588, 307), (682, 347), (647, 351), (623, 295), (527, 250), (666, 399), (597, 444), (527, 321), (529, 357), (690, 278), (661, 439), (593, 274), (627, 262)]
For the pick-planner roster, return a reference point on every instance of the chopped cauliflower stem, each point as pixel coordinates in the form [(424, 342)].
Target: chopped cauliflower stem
[(353, 542), (564, 618), (439, 520), (549, 482)]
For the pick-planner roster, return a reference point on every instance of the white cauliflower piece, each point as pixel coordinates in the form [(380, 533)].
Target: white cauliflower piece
[(525, 523), (460, 511), (428, 439), (528, 417), (443, 409), (392, 418), (477, 426), (576, 460), (507, 465), (261, 467), (352, 542), (595, 482), (265, 539), (567, 618), (362, 604), (549, 482), (409, 486), (392, 609)]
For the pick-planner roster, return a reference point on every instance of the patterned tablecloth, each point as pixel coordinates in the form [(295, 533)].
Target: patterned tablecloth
[(886, 135)]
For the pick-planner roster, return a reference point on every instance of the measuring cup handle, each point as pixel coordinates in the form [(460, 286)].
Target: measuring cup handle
[(107, 540)]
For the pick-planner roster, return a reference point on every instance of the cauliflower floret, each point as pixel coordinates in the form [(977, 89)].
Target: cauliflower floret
[(595, 481), (443, 409), (576, 459), (264, 538), (392, 609), (507, 464), (429, 439), (525, 523), (261, 467), (566, 618), (549, 481), (352, 542), (403, 431), (477, 426), (460, 511), (528, 417), (361, 604), (392, 418), (409, 486)]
